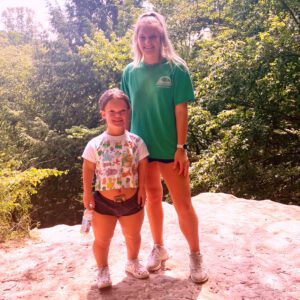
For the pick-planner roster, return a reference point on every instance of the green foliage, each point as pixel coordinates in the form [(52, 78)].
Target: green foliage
[(84, 17), (226, 165), (15, 67), (61, 196), (257, 79), (201, 132), (21, 130), (16, 188), (19, 25), (65, 97), (109, 56)]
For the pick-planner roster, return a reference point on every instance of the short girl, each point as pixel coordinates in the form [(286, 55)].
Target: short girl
[(118, 158)]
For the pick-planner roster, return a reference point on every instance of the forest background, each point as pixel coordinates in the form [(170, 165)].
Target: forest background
[(244, 132)]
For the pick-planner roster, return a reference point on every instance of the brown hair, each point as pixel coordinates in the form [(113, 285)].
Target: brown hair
[(111, 94)]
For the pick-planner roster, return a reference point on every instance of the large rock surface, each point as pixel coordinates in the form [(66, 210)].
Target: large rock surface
[(251, 248)]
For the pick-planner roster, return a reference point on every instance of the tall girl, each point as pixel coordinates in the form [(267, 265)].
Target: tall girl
[(118, 158), (159, 87)]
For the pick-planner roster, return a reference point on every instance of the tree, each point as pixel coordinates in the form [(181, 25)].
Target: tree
[(252, 90), (84, 17), (16, 189), (66, 87), (109, 56), (19, 24), (23, 136)]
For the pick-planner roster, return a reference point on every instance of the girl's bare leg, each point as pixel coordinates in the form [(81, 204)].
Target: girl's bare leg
[(131, 227), (154, 202), (103, 227), (179, 189)]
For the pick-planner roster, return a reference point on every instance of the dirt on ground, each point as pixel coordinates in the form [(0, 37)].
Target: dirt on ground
[(251, 249)]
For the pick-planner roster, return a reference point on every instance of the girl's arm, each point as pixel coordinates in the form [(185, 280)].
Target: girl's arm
[(142, 170), (88, 172), (180, 158)]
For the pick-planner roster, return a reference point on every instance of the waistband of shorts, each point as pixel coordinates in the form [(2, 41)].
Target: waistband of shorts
[(112, 200), (165, 161)]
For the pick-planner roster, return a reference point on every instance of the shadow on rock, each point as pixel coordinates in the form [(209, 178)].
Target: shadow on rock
[(158, 287)]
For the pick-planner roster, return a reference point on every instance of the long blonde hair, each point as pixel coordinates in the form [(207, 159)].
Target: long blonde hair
[(168, 52)]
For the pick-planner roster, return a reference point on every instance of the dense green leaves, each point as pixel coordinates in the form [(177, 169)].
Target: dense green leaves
[(109, 56), (23, 141), (16, 188), (257, 80), (84, 17)]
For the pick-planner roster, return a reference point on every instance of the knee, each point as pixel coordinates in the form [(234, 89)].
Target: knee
[(132, 236), (102, 241), (185, 208), (154, 193)]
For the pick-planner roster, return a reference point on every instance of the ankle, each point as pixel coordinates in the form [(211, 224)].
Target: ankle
[(196, 253), (132, 260), (102, 267)]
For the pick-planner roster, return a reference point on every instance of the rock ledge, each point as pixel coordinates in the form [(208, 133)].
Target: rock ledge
[(251, 248)]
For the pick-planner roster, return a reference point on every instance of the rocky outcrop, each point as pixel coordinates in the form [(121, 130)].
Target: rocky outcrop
[(251, 248)]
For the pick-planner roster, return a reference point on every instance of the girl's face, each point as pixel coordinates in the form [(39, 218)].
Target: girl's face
[(149, 42), (116, 115)]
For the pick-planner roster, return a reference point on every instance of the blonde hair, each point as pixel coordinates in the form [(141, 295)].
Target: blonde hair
[(155, 19)]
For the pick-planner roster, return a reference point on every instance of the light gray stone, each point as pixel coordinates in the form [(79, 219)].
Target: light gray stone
[(251, 249)]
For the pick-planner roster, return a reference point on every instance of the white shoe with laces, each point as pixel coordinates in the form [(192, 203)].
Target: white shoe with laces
[(157, 258), (136, 269), (103, 278), (198, 272)]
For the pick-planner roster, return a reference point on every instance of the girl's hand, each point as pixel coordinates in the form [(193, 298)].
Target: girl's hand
[(141, 196), (88, 200), (181, 160)]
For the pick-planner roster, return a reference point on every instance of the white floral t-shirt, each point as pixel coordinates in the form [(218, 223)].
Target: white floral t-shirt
[(116, 159)]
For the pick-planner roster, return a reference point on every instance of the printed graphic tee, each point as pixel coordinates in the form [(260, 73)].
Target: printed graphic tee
[(116, 159)]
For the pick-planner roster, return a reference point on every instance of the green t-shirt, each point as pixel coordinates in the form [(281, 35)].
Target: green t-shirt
[(154, 91)]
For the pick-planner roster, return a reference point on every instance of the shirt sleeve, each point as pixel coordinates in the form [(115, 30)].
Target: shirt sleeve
[(142, 149), (89, 152), (123, 83), (182, 86)]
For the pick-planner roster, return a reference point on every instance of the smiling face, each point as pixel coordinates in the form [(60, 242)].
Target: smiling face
[(149, 43), (116, 115)]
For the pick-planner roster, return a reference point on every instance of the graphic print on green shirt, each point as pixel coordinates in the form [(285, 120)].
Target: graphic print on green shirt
[(154, 91)]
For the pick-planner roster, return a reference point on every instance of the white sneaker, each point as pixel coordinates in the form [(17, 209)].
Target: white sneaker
[(197, 271), (136, 269), (157, 257), (103, 278)]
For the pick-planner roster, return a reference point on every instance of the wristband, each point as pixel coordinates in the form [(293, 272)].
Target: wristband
[(182, 146)]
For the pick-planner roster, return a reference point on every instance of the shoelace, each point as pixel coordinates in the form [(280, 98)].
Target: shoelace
[(138, 268), (104, 273), (155, 253)]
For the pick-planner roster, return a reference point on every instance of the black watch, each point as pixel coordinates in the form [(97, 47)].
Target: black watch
[(182, 146)]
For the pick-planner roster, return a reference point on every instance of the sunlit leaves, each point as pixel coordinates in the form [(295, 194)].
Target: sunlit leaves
[(251, 86), (16, 188), (109, 56)]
